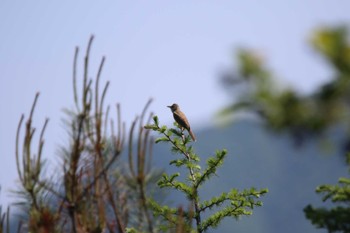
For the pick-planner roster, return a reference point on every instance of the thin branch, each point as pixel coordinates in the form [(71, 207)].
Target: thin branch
[(27, 140), (150, 152), (119, 120), (140, 149), (41, 143), (121, 131), (214, 204), (208, 171), (17, 147), (150, 146), (98, 83), (131, 162), (53, 191), (86, 67), (103, 96), (106, 122), (33, 106), (75, 91), (89, 186)]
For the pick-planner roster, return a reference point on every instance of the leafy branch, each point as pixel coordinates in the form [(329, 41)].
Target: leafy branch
[(336, 218), (232, 204)]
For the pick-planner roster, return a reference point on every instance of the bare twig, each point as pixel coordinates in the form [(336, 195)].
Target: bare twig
[(75, 91)]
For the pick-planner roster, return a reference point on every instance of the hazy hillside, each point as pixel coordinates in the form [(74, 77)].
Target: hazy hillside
[(262, 159)]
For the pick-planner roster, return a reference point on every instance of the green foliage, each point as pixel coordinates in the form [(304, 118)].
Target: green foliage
[(284, 109), (303, 116), (338, 193), (336, 218), (232, 204)]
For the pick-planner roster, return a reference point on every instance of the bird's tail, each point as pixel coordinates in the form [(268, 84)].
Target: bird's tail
[(192, 135)]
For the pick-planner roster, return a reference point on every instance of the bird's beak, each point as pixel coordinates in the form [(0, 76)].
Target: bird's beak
[(169, 106)]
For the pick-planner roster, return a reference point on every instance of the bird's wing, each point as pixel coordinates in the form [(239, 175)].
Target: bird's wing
[(182, 120)]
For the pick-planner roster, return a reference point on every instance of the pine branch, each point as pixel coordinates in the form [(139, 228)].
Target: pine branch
[(212, 163), (235, 203)]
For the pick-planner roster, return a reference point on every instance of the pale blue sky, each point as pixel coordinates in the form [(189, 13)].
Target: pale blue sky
[(169, 50)]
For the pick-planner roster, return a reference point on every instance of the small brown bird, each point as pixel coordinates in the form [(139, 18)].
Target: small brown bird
[(181, 119)]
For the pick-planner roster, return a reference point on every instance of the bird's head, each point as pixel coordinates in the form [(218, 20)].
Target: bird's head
[(173, 107)]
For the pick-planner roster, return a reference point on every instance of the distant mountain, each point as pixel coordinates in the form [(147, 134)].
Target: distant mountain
[(261, 159)]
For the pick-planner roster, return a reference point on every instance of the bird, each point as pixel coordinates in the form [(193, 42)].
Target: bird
[(181, 119)]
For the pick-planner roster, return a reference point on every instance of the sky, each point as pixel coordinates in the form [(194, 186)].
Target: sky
[(171, 51)]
